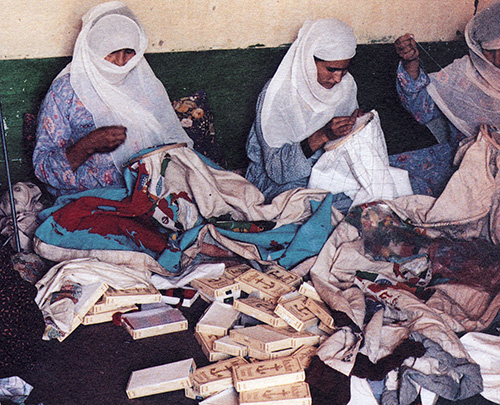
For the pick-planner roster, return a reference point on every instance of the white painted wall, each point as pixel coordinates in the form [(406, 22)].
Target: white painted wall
[(48, 28)]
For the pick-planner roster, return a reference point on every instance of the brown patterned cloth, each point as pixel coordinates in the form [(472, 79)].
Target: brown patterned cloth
[(197, 120), (21, 321)]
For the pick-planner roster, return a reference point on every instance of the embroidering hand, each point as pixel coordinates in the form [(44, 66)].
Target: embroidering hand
[(339, 127), (100, 140), (106, 139), (407, 49)]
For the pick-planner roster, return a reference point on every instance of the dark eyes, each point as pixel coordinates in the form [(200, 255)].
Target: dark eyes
[(127, 51), (334, 70)]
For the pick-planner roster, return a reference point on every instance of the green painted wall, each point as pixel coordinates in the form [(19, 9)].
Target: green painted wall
[(232, 80)]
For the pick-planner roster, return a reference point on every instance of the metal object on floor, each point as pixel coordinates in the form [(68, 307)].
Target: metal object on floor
[(9, 182)]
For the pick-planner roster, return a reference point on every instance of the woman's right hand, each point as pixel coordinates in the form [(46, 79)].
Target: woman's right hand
[(106, 139), (341, 126), (407, 49), (100, 140)]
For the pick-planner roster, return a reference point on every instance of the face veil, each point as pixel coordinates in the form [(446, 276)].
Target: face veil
[(129, 95)]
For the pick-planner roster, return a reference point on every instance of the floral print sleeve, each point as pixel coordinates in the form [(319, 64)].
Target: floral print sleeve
[(414, 95), (62, 121)]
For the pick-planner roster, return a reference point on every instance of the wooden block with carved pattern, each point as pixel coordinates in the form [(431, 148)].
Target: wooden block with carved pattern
[(237, 270), (217, 289), (304, 355), (267, 287), (259, 355), (290, 394), (267, 373), (129, 296), (261, 310), (299, 338), (260, 337), (285, 276), (308, 290), (206, 342), (215, 377), (228, 346), (322, 311), (296, 314)]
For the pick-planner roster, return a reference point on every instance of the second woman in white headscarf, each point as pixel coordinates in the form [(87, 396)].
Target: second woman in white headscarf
[(310, 100)]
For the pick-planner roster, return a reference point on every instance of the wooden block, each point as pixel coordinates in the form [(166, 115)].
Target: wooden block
[(217, 319), (235, 271), (308, 290), (289, 296), (217, 288), (129, 296), (227, 397), (304, 355), (215, 377), (261, 310), (207, 347), (290, 394), (164, 378), (190, 393), (259, 355), (267, 287), (321, 310), (285, 276), (89, 296), (101, 317), (229, 346), (296, 314), (100, 306), (299, 338), (260, 337), (268, 373), (154, 322), (326, 328)]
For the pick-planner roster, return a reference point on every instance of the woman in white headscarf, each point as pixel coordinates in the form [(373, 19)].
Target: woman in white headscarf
[(105, 106), (467, 91), (310, 100)]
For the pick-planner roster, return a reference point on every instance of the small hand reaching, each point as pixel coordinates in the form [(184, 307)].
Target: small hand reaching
[(407, 49)]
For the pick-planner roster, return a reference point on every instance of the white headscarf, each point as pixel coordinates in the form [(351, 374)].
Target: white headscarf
[(296, 105), (468, 90), (129, 95)]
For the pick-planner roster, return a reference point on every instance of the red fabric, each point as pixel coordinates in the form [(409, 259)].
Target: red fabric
[(130, 217)]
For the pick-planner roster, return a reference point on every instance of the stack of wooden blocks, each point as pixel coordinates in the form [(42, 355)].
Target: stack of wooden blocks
[(261, 361)]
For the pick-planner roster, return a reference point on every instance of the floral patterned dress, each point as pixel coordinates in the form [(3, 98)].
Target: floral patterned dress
[(62, 121), (429, 168)]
